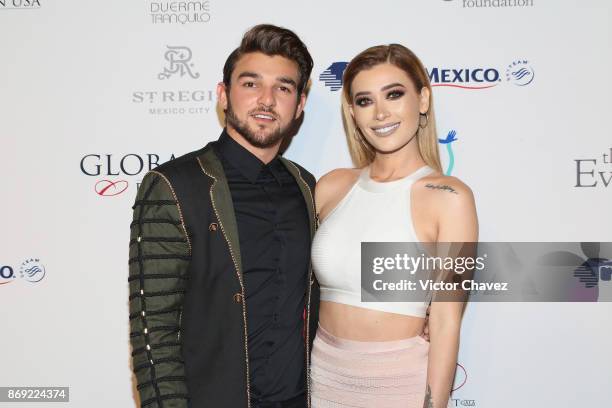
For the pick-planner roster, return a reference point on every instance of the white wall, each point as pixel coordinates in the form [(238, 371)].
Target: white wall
[(68, 73)]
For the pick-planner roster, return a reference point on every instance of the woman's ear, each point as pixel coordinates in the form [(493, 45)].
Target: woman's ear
[(424, 98)]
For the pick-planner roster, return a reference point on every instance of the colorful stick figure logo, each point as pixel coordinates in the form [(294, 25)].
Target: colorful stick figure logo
[(450, 138)]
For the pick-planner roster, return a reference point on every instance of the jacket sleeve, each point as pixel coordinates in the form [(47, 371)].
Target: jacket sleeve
[(159, 258)]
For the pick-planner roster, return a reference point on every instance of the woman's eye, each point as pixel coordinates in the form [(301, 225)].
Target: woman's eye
[(395, 94), (363, 102)]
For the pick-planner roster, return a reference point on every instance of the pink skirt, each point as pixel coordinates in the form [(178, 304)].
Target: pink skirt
[(387, 374)]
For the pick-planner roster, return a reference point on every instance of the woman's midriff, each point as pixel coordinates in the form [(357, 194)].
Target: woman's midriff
[(356, 323)]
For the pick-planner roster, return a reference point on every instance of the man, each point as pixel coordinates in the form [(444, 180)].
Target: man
[(223, 303)]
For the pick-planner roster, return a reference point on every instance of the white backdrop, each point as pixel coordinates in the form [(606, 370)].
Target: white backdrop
[(80, 90)]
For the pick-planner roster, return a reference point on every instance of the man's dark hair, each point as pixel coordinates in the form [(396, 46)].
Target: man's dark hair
[(272, 40)]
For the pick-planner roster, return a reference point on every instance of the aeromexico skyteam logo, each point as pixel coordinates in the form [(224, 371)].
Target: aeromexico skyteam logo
[(587, 272), (518, 72), (332, 76), (31, 270)]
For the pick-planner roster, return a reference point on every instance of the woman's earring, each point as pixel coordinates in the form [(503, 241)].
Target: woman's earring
[(421, 116)]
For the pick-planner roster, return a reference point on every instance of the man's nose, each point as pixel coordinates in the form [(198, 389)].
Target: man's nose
[(266, 96)]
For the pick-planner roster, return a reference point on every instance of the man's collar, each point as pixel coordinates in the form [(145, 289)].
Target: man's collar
[(244, 161)]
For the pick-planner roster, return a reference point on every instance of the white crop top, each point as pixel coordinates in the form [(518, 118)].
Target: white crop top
[(370, 212)]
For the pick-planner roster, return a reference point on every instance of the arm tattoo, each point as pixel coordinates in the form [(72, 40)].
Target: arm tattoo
[(441, 187), (428, 403)]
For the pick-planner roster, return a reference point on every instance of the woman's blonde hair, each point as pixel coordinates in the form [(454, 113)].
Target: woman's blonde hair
[(398, 55)]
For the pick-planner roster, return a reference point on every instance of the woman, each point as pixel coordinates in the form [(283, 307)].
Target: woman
[(371, 354)]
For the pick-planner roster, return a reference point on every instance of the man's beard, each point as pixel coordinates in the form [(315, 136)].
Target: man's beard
[(243, 129)]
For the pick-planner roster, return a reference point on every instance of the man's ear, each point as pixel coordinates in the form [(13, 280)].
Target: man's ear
[(222, 95), (300, 106), (424, 100)]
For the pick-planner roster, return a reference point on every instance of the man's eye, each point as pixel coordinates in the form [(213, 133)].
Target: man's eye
[(249, 84), (285, 89), (363, 102)]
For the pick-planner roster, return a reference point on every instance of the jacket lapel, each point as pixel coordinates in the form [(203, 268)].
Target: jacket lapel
[(223, 205), (222, 202), (306, 192)]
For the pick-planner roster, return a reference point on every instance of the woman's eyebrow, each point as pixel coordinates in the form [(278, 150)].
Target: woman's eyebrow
[(384, 88), (393, 85)]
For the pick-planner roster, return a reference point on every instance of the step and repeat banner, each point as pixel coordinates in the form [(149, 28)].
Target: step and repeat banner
[(95, 94)]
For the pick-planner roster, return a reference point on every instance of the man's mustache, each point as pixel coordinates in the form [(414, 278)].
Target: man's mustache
[(264, 109)]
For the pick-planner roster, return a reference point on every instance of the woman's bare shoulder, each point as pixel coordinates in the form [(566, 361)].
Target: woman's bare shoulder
[(436, 183), (332, 187), (451, 203), (338, 178)]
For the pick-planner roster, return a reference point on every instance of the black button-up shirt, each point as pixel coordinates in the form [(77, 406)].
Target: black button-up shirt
[(274, 241)]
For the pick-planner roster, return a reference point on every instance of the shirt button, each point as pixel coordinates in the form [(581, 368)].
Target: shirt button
[(238, 297)]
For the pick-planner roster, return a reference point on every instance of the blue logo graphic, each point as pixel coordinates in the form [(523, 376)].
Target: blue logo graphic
[(332, 76), (6, 274), (450, 138), (590, 275), (32, 270), (520, 73), (591, 271), (587, 272), (605, 271)]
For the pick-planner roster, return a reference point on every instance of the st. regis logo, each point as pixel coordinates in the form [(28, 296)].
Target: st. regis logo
[(179, 62)]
